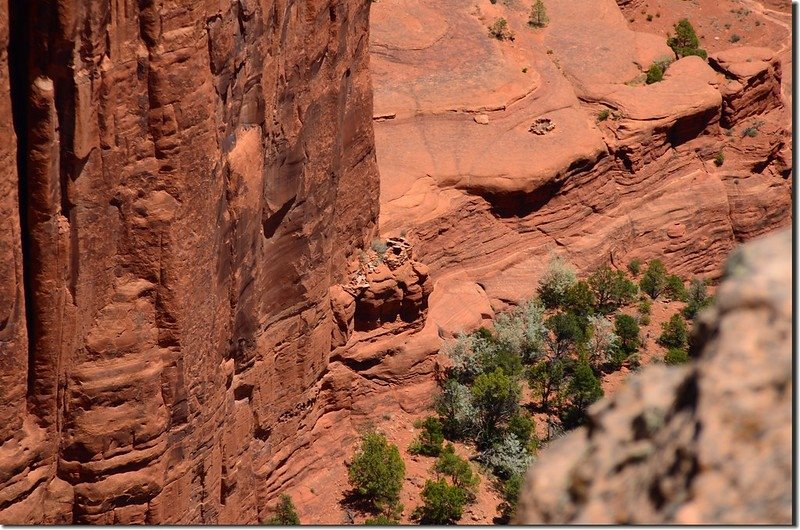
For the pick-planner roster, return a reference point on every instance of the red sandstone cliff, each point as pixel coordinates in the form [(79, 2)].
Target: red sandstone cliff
[(195, 180), (193, 176)]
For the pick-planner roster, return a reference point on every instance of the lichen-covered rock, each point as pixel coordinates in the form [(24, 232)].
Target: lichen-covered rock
[(710, 442)]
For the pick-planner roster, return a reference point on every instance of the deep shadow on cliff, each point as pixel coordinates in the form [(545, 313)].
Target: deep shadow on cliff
[(707, 443)]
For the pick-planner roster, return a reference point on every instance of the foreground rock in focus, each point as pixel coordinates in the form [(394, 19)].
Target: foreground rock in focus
[(706, 443)]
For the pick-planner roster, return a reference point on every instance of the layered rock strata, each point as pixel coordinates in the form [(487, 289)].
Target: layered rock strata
[(683, 169)]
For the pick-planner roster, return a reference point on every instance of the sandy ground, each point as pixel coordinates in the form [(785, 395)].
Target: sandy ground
[(719, 23)]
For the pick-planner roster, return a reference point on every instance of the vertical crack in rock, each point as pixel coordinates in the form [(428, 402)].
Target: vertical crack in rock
[(18, 79)]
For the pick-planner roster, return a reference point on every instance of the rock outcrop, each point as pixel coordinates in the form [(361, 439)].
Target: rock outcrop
[(193, 177), (186, 188), (384, 286), (683, 169), (707, 443), (753, 82)]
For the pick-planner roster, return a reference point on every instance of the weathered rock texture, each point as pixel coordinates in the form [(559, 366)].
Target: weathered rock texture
[(194, 177), (627, 171), (707, 443)]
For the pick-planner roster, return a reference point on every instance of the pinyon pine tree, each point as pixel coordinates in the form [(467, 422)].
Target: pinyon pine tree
[(685, 42), (377, 471), (538, 17)]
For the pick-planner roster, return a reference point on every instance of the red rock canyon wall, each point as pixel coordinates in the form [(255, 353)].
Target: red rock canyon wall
[(193, 177)]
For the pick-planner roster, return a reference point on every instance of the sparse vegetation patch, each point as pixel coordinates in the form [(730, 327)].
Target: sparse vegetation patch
[(500, 30)]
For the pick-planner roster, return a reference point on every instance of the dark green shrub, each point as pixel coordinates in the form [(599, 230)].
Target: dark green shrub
[(645, 306), (580, 299), (509, 491), (676, 356), (656, 71), (654, 280), (545, 379), (583, 390), (611, 289), (381, 520), (719, 159), (674, 333), (458, 470), (500, 31), (429, 441), (697, 298), (635, 267), (674, 288), (376, 472), (617, 358), (603, 115), (443, 503), (499, 357), (484, 333), (627, 329), (285, 513), (496, 398), (523, 427), (568, 331), (685, 42)]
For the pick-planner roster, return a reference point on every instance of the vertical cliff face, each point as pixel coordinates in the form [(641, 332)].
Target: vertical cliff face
[(186, 182)]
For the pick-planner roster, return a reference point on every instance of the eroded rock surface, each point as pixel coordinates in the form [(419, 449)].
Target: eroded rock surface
[(628, 170), (753, 84), (708, 443), (194, 177), (197, 180)]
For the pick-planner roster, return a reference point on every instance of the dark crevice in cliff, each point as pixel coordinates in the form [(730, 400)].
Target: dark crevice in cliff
[(273, 222), (521, 204), (19, 27)]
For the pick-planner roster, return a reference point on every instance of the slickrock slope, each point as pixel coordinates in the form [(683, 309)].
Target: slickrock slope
[(707, 443), (195, 176), (493, 154)]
